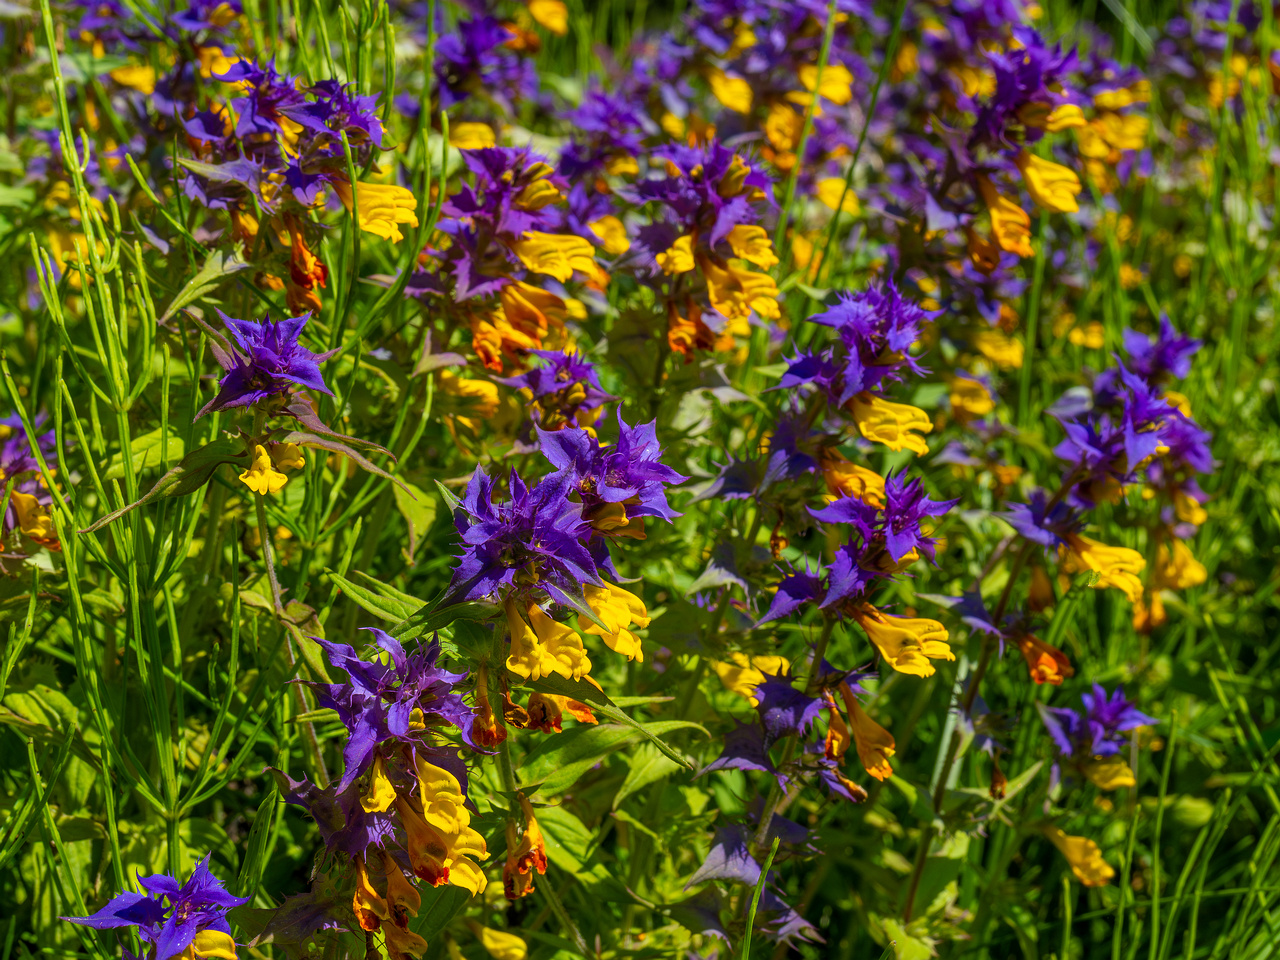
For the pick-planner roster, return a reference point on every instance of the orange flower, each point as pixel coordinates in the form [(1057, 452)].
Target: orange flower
[(524, 857), (1047, 664)]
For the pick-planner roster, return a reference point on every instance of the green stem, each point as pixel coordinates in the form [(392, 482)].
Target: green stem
[(755, 898)]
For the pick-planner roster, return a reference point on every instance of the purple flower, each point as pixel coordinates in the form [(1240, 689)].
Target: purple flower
[(1040, 523), (272, 362), (267, 96), (199, 904), (905, 505), (534, 540), (1168, 355), (1096, 731), (562, 387), (783, 709), (876, 328), (337, 110), (630, 472), (744, 749), (475, 59), (795, 590), (383, 702)]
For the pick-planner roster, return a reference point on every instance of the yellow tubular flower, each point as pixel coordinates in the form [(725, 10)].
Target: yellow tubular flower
[(212, 943), (556, 255), (1188, 510), (970, 398), (874, 743), (1117, 566), (383, 207), (528, 657), (140, 78), (753, 245), (845, 479), (678, 258), (288, 456), (402, 896), (471, 136), (831, 190), (1128, 132), (733, 92), (369, 906), (837, 82), (1005, 352), (1046, 663), (531, 309), (440, 857), (891, 423), (612, 234), (1084, 857), (262, 477), (618, 609), (838, 738), (33, 520), (1064, 117), (907, 643), (1110, 773), (1051, 185), (736, 293), (1177, 569), (562, 645), (1009, 222), (783, 126), (743, 674), (551, 14), (443, 805), (403, 943), (500, 944), (380, 793)]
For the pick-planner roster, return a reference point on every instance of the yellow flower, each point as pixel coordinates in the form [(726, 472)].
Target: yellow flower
[(472, 136), (677, 258), (383, 207), (845, 479), (402, 896), (402, 943), (622, 165), (537, 193), (874, 743), (381, 793), (831, 189), (735, 292), (1046, 663), (137, 77), (1051, 185), (261, 477), (1109, 773), (891, 423), (837, 82), (556, 255), (532, 310), (464, 396), (1084, 857), (1009, 222), (1005, 352), (907, 643), (1040, 116), (440, 857), (1117, 566), (617, 609), (612, 234), (443, 805), (753, 245), (783, 126), (970, 398), (211, 943), (500, 944), (743, 674), (367, 904), (523, 856), (1188, 510), (288, 456), (213, 62), (33, 520), (1177, 569), (1128, 132), (733, 92), (838, 737), (552, 14), (546, 648)]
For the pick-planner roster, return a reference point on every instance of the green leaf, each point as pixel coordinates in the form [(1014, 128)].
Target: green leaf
[(560, 760), (419, 510), (16, 196), (429, 619), (145, 451), (217, 268), (599, 701), (191, 473), (648, 765), (382, 601), (570, 846), (439, 906)]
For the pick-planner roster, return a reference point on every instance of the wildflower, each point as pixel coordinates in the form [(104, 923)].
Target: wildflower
[(1176, 568), (1116, 566), (525, 856), (618, 609), (907, 643), (556, 255), (546, 648), (1046, 663), (845, 479), (534, 539), (1050, 184), (893, 424), (743, 673), (262, 477), (381, 207), (1084, 857), (174, 918), (874, 743), (1091, 741), (970, 397), (272, 363), (1004, 352), (1009, 222), (563, 391)]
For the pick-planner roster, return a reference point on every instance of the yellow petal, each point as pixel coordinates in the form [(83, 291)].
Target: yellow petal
[(552, 14), (831, 191), (753, 245), (612, 234), (732, 92), (1051, 185), (381, 793), (214, 943), (891, 423), (261, 477), (678, 258), (472, 136), (556, 255)]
